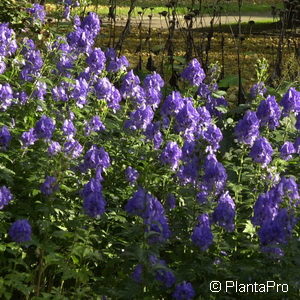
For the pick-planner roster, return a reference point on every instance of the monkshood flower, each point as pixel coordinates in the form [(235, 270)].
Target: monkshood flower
[(8, 44), (193, 73), (153, 133), (6, 96), (40, 91), (188, 150), (91, 23), (38, 13), (297, 145), (224, 213), (73, 148), (131, 174), (171, 201), (68, 128), (184, 291), (204, 90), (140, 118), (5, 196), (59, 94), (291, 101), (95, 125), (297, 124), (214, 174), (143, 204), (171, 155), (261, 151), (94, 202), (54, 148), (153, 81), (80, 91), (137, 274), (213, 135), (203, 195), (2, 66), (247, 129), (286, 150), (164, 275), (277, 231), (5, 137), (202, 236), (33, 65), (105, 90), (188, 173), (22, 97), (49, 186), (44, 128), (187, 117), (212, 104), (96, 158), (114, 63), (172, 104), (269, 113), (151, 96), (67, 12), (20, 231), (204, 116), (258, 89), (96, 60), (28, 137), (288, 188)]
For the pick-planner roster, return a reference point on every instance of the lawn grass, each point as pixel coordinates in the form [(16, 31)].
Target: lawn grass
[(228, 7)]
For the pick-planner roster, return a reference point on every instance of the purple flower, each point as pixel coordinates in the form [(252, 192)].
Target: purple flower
[(67, 12), (80, 92), (277, 231), (214, 174), (68, 128), (213, 103), (258, 89), (131, 174), (152, 133), (28, 137), (54, 148), (44, 128), (38, 13), (171, 201), (137, 274), (184, 291), (247, 129), (22, 97), (297, 124), (105, 90), (94, 202), (94, 124), (96, 60), (59, 94), (202, 236), (187, 117), (291, 101), (33, 65), (49, 186), (297, 145), (172, 104), (261, 151), (6, 96), (140, 118), (189, 172), (96, 158), (269, 112), (5, 196), (143, 204), (91, 23), (8, 44), (224, 213), (20, 231), (213, 135), (171, 155), (73, 148), (5, 137), (287, 188), (193, 73), (286, 150), (153, 81)]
